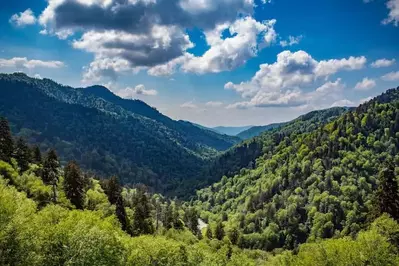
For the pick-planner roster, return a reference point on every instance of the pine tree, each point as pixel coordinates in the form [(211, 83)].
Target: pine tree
[(387, 193), (114, 192), (36, 155), (219, 231), (74, 185), (142, 222), (167, 220), (234, 235), (208, 232), (6, 141), (50, 172), (22, 154), (191, 220)]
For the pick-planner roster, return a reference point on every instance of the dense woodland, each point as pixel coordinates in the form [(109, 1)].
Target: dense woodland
[(320, 190), (89, 125), (307, 186)]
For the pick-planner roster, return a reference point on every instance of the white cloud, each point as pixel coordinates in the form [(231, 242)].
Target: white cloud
[(229, 53), (365, 85), (37, 76), (342, 103), (392, 76), (189, 105), (393, 16), (383, 63), (282, 83), (142, 34), (23, 19), (132, 93), (24, 63), (214, 104), (292, 40)]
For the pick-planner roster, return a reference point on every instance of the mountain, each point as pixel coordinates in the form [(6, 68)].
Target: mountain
[(244, 154), (107, 134), (232, 131), (257, 130), (309, 183)]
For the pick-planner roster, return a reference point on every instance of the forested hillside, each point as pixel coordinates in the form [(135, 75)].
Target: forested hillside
[(244, 155), (107, 134), (328, 182), (53, 215), (258, 130)]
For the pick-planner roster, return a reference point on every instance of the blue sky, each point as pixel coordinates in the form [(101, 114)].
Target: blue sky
[(214, 62)]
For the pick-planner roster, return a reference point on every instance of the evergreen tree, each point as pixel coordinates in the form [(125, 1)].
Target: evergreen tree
[(114, 192), (234, 235), (142, 222), (74, 185), (50, 172), (387, 193), (36, 155), (6, 141), (22, 154), (208, 232), (167, 220), (219, 231), (191, 220)]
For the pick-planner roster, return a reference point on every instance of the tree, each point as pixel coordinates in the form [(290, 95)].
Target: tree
[(208, 232), (191, 220), (219, 231), (6, 142), (36, 155), (50, 172), (113, 190), (22, 154), (387, 193), (142, 222), (74, 184), (234, 235)]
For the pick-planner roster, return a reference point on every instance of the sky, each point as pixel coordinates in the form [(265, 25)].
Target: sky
[(212, 62)]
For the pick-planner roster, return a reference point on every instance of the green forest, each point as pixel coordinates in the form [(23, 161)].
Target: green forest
[(319, 190)]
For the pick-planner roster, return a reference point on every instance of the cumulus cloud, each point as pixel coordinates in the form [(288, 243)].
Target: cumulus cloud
[(229, 53), (344, 102), (392, 76), (214, 104), (151, 34), (282, 83), (189, 105), (292, 40), (393, 16), (132, 93), (383, 63), (24, 63), (23, 19), (365, 85)]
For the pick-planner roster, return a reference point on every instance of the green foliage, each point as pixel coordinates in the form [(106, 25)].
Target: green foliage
[(6, 141), (388, 192), (311, 185), (74, 185), (110, 135)]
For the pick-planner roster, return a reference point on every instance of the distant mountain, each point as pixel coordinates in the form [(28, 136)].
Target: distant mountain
[(108, 134), (232, 131), (257, 130)]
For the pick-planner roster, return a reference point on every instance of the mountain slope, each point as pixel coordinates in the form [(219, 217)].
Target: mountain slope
[(312, 185), (244, 155), (107, 137), (232, 131), (186, 130), (257, 130)]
